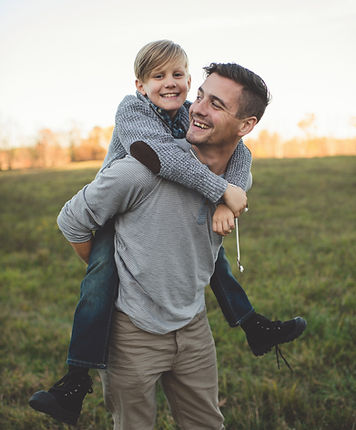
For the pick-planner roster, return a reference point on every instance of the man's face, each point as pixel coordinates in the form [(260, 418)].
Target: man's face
[(213, 114)]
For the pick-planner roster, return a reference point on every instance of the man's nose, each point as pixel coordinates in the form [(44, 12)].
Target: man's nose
[(199, 108)]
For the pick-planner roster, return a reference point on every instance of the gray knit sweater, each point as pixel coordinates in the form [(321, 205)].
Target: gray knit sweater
[(137, 121)]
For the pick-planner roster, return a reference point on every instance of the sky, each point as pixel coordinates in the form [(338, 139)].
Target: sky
[(68, 63)]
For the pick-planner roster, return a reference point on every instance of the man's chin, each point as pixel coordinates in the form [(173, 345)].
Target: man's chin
[(192, 139)]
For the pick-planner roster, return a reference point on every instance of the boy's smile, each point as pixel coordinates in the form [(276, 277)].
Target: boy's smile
[(167, 86)]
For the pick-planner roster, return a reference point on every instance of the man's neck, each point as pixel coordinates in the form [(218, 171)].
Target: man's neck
[(215, 157)]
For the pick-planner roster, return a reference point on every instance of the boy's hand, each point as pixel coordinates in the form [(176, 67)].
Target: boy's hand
[(235, 198), (223, 220)]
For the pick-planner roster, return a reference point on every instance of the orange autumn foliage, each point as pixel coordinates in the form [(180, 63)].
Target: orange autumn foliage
[(59, 149)]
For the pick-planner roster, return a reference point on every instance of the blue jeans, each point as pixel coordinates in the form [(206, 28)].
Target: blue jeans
[(98, 291)]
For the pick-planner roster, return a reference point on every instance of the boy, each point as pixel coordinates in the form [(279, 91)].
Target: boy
[(146, 126)]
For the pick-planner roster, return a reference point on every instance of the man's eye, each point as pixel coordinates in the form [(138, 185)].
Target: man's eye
[(216, 105), (198, 98)]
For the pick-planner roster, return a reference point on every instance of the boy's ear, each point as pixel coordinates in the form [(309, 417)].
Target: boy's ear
[(247, 125), (189, 82), (139, 86)]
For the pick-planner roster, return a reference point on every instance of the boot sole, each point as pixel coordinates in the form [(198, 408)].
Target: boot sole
[(300, 325), (43, 401)]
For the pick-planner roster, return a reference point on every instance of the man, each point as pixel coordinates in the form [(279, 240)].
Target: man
[(165, 251)]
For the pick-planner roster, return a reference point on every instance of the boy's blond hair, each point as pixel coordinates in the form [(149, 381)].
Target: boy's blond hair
[(156, 54)]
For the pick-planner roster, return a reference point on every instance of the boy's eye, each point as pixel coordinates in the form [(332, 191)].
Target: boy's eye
[(158, 76), (178, 74)]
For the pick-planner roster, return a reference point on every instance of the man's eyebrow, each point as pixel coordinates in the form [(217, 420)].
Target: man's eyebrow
[(219, 100), (214, 98)]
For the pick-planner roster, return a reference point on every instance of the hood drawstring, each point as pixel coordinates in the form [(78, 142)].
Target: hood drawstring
[(239, 265)]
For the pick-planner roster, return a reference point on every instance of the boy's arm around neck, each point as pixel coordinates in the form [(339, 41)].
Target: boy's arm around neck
[(138, 124), (239, 167)]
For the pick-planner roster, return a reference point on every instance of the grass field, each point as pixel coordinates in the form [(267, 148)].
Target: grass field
[(298, 245)]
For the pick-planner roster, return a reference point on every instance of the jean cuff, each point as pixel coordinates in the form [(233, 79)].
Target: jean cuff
[(243, 319)]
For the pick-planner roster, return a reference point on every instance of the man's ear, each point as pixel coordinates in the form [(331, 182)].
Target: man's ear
[(139, 86), (247, 125)]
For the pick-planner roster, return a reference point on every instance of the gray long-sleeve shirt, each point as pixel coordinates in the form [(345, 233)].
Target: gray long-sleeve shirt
[(165, 249), (137, 121)]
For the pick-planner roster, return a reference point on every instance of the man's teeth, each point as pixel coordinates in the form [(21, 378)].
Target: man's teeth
[(200, 125)]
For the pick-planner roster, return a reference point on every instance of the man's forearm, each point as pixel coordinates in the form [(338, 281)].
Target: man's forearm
[(83, 249)]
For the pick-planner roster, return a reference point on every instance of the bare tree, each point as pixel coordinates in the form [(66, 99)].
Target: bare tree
[(308, 125)]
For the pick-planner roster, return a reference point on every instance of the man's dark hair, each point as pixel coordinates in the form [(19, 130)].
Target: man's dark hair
[(255, 94)]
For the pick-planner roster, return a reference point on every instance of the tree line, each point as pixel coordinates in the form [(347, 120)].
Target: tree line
[(53, 149)]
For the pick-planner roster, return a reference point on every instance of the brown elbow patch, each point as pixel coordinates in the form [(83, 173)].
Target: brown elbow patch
[(146, 156)]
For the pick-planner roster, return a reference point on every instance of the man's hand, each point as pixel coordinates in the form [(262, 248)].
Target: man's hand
[(235, 198), (83, 250), (223, 220)]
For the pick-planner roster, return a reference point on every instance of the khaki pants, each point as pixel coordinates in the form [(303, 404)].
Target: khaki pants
[(185, 363)]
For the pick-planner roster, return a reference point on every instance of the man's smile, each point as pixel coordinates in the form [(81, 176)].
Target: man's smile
[(200, 125), (197, 122)]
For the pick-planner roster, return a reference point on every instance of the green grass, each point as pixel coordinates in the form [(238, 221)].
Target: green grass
[(298, 247)]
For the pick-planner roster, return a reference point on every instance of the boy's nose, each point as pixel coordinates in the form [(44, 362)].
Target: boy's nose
[(170, 83)]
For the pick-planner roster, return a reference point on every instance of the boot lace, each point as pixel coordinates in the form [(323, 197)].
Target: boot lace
[(69, 387), (279, 354)]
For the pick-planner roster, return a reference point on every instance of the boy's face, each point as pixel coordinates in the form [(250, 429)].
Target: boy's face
[(167, 86)]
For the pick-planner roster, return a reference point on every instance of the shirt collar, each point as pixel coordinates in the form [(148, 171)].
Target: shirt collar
[(175, 124)]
